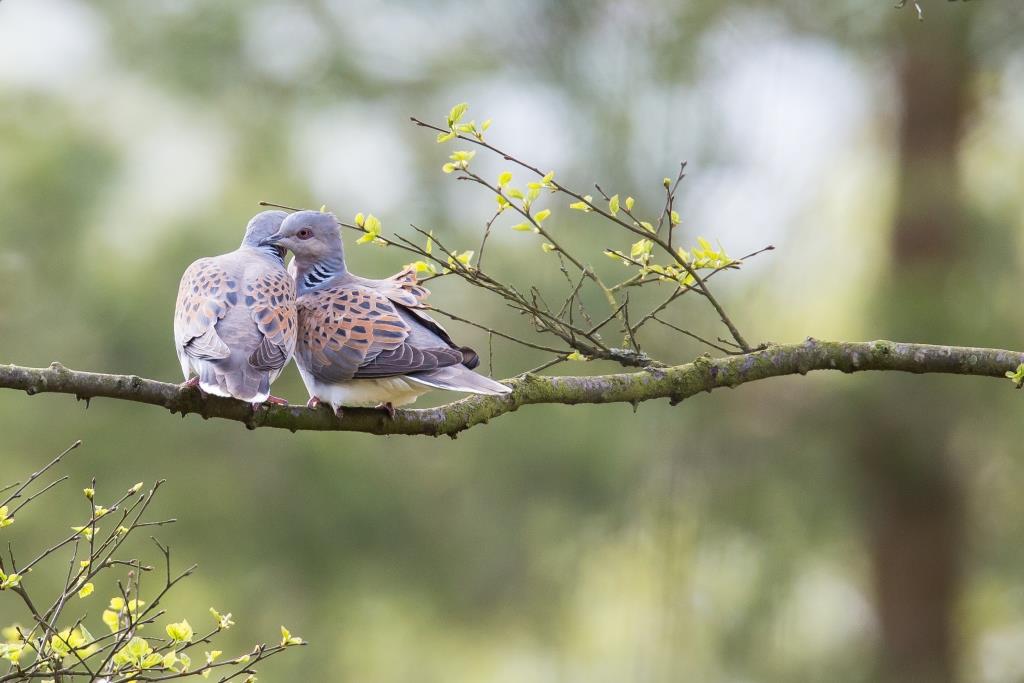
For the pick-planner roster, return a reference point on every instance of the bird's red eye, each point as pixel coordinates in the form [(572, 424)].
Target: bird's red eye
[(304, 234)]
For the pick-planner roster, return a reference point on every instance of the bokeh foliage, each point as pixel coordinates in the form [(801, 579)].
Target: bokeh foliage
[(718, 540)]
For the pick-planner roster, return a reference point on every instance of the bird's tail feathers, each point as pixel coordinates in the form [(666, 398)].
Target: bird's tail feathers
[(459, 378), (251, 385)]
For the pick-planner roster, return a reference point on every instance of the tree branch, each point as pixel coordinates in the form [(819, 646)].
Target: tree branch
[(674, 383)]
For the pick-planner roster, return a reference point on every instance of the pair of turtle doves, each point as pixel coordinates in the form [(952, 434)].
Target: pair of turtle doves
[(241, 316)]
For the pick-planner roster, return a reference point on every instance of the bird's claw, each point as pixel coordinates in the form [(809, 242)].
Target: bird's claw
[(271, 400), (389, 408), (190, 383), (313, 403)]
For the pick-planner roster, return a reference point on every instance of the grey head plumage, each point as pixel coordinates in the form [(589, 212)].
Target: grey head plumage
[(314, 238), (260, 227)]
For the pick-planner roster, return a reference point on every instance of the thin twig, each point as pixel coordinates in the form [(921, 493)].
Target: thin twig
[(702, 340), (38, 473), (503, 335), (636, 229)]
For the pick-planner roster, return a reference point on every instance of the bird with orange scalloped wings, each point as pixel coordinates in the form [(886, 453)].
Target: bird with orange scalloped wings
[(235, 322), (364, 342)]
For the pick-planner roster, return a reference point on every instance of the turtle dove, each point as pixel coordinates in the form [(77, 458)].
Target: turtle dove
[(235, 320), (364, 342)]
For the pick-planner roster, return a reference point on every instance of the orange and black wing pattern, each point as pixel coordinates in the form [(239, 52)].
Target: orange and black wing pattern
[(357, 332), (404, 290), (271, 302), (205, 294)]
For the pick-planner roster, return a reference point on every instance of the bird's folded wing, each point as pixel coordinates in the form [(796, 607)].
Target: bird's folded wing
[(357, 332), (270, 298), (205, 294), (404, 290)]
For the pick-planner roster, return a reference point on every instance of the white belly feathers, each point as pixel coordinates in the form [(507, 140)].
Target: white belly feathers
[(365, 393)]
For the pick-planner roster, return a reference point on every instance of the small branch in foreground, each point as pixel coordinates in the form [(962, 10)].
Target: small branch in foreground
[(60, 648)]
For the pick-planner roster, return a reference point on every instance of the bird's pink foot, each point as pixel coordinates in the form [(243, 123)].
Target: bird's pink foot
[(313, 403), (193, 383), (270, 401), (387, 407)]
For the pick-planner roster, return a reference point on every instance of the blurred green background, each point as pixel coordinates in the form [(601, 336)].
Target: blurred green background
[(842, 528)]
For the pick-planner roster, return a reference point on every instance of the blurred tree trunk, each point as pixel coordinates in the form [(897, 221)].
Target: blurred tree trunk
[(914, 498)]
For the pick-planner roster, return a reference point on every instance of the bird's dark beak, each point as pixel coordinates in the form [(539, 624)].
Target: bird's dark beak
[(271, 241)]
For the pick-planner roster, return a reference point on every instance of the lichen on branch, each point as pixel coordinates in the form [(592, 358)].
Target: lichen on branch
[(675, 383)]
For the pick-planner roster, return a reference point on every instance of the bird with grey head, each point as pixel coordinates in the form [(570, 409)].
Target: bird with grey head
[(365, 342), (234, 320)]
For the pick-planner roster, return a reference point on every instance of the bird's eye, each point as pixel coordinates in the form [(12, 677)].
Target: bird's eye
[(304, 234)]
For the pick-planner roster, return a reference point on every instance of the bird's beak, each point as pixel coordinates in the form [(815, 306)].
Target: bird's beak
[(271, 241)]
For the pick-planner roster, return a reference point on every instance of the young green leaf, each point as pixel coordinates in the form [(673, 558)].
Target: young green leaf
[(422, 267), (583, 206), (112, 620), (287, 639), (180, 632), (12, 580), (641, 250), (456, 113), (462, 155), (224, 621)]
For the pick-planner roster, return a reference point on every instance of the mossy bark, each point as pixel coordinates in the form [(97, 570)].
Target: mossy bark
[(675, 383)]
